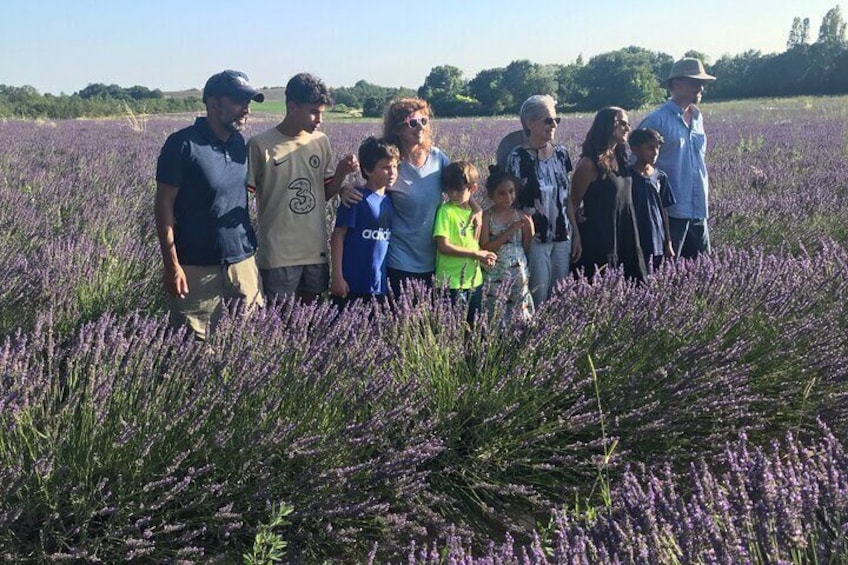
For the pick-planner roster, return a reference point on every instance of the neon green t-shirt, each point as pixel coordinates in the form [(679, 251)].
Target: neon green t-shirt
[(454, 224)]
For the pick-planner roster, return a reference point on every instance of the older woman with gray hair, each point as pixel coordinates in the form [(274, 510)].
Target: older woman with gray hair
[(543, 165)]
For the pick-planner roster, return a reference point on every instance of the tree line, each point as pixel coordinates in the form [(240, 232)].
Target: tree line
[(95, 100), (630, 77), (370, 98)]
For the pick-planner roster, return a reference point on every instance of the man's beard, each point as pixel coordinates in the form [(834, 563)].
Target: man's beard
[(234, 126)]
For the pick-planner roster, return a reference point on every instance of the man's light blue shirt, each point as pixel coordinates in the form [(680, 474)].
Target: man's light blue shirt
[(683, 158)]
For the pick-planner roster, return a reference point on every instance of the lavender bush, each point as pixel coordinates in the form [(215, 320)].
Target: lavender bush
[(122, 441), (788, 504)]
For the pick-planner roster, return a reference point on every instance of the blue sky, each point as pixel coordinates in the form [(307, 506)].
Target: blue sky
[(61, 46)]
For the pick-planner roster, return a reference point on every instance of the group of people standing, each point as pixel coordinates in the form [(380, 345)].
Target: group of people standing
[(414, 218)]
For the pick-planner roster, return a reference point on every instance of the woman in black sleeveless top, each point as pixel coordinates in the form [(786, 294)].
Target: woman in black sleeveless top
[(607, 234)]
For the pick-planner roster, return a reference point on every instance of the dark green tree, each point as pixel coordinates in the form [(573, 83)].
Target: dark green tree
[(623, 78), (143, 93), (569, 90), (839, 77), (799, 34), (523, 79), (700, 55), (345, 96), (356, 95), (443, 82), (660, 63), (446, 91), (373, 107), (734, 73), (821, 66), (487, 88), (832, 29), (805, 31)]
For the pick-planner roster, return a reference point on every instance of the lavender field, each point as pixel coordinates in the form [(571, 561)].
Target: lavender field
[(701, 418)]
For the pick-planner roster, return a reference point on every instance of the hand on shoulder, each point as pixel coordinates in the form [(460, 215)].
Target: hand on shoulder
[(350, 195)]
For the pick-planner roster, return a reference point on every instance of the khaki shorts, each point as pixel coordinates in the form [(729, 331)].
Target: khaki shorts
[(201, 309), (306, 279)]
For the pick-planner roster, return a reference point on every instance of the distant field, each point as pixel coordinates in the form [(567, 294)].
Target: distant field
[(275, 103), (270, 107), (272, 93)]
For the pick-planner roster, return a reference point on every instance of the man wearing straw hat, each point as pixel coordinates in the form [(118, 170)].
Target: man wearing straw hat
[(683, 154)]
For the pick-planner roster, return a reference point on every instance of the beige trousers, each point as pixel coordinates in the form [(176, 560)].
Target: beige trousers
[(208, 286)]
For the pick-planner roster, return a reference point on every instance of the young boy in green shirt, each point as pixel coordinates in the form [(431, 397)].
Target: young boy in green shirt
[(458, 253)]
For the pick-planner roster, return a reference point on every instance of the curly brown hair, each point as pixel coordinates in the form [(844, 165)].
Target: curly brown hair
[(396, 114)]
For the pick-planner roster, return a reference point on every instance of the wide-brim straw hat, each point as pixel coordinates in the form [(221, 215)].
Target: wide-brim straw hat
[(688, 67)]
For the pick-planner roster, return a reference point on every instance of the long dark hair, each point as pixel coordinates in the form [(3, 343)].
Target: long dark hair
[(597, 146)]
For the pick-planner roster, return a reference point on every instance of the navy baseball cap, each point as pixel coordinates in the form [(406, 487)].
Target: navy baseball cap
[(233, 84)]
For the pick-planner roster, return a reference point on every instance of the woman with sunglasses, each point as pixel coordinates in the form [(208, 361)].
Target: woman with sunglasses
[(607, 234), (543, 167), (416, 194)]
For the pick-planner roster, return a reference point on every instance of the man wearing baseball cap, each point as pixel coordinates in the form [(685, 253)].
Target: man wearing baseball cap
[(683, 156), (202, 220)]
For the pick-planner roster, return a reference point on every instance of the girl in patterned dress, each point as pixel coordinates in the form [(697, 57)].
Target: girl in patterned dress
[(509, 233)]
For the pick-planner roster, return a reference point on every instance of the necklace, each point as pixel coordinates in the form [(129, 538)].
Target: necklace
[(541, 151)]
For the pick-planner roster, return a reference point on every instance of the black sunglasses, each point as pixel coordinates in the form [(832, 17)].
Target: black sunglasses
[(414, 123), (552, 121)]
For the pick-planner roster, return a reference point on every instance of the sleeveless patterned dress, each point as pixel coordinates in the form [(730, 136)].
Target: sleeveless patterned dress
[(511, 265)]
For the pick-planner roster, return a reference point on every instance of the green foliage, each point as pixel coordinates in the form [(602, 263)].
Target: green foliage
[(819, 68), (373, 107), (623, 78), (488, 89), (735, 72), (832, 29), (363, 92), (444, 81), (632, 77), (524, 79), (701, 56), (804, 69), (502, 90), (445, 89), (455, 105), (96, 100), (569, 91), (114, 91), (268, 546), (799, 34)]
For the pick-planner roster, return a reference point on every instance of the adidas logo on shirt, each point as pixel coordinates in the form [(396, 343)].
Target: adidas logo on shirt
[(380, 234)]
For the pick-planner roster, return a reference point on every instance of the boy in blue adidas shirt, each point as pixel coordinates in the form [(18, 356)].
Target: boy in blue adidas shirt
[(360, 240)]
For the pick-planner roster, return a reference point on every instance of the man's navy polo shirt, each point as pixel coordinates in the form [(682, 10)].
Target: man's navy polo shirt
[(212, 224)]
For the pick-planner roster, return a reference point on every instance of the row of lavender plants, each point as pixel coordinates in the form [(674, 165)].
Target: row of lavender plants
[(786, 504), (121, 441)]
